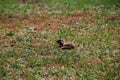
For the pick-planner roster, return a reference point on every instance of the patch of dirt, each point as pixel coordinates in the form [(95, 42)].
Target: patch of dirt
[(50, 21)]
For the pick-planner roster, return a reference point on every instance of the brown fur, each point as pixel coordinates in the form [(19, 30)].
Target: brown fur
[(66, 45)]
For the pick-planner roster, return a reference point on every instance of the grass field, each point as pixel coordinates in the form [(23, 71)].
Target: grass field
[(28, 54)]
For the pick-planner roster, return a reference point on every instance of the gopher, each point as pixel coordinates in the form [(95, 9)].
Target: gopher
[(66, 45)]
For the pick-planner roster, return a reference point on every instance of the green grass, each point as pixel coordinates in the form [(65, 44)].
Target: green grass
[(92, 25)]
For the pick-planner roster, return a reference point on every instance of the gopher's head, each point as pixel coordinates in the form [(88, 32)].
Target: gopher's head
[(60, 42)]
